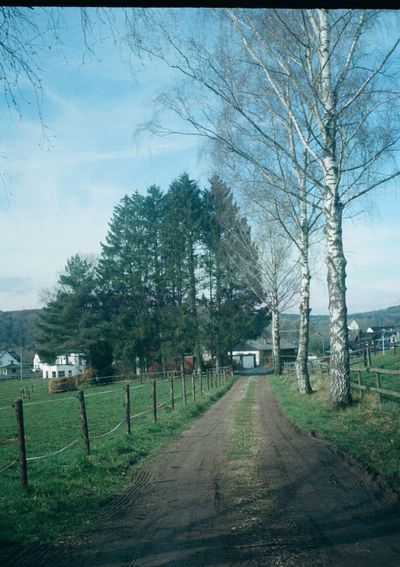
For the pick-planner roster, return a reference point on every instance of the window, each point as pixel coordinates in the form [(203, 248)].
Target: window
[(61, 374), (53, 374)]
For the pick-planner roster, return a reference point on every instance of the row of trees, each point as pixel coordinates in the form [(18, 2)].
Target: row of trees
[(168, 283), (302, 106)]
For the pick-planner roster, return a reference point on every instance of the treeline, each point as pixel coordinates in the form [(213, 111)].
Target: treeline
[(167, 284), (18, 330)]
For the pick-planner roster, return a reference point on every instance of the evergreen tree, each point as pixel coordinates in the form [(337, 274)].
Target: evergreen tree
[(131, 277), (234, 310), (181, 240), (73, 320)]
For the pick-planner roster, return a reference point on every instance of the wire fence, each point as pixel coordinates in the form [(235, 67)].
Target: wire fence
[(100, 414)]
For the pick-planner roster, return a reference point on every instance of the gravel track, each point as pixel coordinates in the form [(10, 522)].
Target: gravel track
[(288, 500)]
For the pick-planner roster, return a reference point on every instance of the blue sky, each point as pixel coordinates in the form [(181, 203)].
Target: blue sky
[(59, 191)]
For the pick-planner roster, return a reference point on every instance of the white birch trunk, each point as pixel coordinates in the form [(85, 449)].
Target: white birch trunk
[(339, 373), (276, 342), (303, 378)]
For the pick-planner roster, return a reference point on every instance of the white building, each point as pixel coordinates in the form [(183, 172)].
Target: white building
[(7, 358), (64, 365)]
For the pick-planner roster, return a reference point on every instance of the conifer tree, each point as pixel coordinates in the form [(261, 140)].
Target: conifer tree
[(73, 319), (234, 307)]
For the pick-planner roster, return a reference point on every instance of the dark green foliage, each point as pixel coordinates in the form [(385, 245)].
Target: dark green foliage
[(18, 329), (166, 285), (73, 320), (233, 307), (181, 249)]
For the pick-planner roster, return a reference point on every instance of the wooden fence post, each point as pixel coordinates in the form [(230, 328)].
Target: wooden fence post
[(171, 391), (359, 380), (369, 355), (365, 355), (183, 380), (378, 385), (193, 386), (23, 469), (201, 382), (208, 380), (85, 431), (127, 408), (155, 400)]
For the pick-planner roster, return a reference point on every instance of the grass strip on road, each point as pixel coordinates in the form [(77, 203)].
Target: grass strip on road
[(364, 430)]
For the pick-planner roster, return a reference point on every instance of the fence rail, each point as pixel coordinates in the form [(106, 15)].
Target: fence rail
[(322, 365), (377, 373)]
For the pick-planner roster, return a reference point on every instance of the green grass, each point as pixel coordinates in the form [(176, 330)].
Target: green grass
[(66, 491), (240, 446), (389, 361), (364, 430)]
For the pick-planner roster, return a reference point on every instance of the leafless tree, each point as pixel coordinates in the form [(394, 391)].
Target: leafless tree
[(318, 73), (291, 201), (272, 262)]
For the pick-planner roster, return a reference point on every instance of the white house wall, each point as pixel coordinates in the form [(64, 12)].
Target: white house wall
[(61, 370), (238, 353)]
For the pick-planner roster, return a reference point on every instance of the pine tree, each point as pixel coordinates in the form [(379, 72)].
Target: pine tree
[(234, 310), (73, 319), (181, 239)]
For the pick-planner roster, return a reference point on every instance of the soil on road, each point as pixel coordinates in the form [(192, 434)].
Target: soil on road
[(242, 487)]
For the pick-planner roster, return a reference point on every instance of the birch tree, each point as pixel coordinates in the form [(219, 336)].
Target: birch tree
[(291, 201), (333, 86), (271, 273), (318, 72)]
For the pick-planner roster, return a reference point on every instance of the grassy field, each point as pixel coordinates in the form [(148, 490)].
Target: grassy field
[(365, 430), (389, 361), (67, 490)]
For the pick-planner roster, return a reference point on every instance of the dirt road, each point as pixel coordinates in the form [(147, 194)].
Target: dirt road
[(234, 491)]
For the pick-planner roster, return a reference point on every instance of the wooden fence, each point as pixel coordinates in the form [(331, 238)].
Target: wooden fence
[(377, 373), (200, 382)]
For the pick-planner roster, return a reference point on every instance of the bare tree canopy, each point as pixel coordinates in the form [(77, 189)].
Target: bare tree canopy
[(327, 77)]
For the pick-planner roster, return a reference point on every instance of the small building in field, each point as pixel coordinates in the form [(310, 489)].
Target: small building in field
[(65, 365), (10, 365), (7, 358), (253, 353), (382, 336), (10, 370)]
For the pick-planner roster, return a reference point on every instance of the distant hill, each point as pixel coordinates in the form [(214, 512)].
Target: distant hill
[(320, 323), (18, 330), (381, 317)]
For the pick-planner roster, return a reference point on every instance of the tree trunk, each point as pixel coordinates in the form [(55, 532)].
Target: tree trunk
[(303, 378), (339, 373), (276, 343)]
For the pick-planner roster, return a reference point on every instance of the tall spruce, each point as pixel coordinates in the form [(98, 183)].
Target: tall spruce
[(182, 222), (234, 309), (73, 319), (125, 274)]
